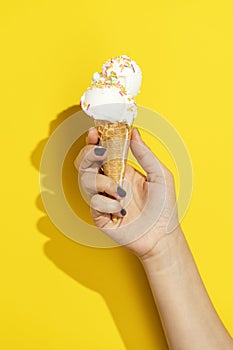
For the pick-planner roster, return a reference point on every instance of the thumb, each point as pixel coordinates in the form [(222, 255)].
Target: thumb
[(92, 136), (146, 158)]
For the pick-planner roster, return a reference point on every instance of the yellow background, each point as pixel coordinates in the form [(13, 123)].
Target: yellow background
[(57, 294)]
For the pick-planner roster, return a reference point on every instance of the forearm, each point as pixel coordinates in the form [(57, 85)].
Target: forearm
[(188, 316)]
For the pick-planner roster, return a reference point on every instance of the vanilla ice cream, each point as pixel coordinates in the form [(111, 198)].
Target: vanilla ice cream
[(124, 71), (106, 100)]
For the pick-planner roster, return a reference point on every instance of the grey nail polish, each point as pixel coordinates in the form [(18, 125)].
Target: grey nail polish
[(121, 192), (123, 212), (99, 151)]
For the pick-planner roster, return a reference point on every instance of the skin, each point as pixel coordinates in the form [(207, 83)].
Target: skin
[(152, 231)]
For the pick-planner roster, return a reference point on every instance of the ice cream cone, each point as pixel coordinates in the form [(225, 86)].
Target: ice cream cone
[(109, 100), (115, 137)]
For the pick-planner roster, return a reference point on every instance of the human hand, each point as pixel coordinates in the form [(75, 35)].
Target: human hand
[(149, 203)]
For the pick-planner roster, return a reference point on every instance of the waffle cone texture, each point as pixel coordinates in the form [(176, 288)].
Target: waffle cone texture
[(115, 137)]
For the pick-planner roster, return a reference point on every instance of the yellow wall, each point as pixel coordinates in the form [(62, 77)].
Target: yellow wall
[(57, 294)]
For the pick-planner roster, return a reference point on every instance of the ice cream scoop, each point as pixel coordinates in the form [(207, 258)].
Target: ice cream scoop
[(105, 100), (124, 71)]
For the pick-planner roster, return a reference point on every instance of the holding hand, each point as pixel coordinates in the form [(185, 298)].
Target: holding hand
[(146, 207)]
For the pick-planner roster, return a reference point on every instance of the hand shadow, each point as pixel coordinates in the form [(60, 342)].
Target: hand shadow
[(115, 273)]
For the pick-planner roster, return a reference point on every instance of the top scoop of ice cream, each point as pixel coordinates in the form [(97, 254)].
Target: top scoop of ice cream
[(104, 100), (123, 70)]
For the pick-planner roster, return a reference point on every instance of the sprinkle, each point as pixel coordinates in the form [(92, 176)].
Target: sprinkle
[(113, 75), (88, 106), (133, 68), (123, 89), (120, 92)]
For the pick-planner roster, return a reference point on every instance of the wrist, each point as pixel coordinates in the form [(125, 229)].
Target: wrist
[(166, 251)]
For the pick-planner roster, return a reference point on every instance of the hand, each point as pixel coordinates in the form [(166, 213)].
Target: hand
[(148, 202)]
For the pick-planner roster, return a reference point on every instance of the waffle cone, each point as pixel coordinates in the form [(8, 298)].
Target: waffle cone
[(115, 137)]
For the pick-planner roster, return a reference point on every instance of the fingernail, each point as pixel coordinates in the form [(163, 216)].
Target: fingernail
[(99, 151), (123, 212), (121, 192)]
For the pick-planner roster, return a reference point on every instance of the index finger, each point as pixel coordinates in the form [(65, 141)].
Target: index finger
[(90, 158)]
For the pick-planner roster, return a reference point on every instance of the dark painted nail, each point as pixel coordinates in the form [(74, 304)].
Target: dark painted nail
[(99, 151), (123, 212), (121, 192)]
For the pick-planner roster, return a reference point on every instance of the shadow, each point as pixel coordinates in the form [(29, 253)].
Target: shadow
[(115, 273)]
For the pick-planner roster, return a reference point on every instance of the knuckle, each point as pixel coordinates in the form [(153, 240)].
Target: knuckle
[(81, 156), (76, 163), (78, 160), (84, 178), (94, 202), (109, 185), (85, 157), (169, 176), (87, 151), (88, 182)]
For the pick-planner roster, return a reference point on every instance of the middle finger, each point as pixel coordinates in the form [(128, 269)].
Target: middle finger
[(95, 183)]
